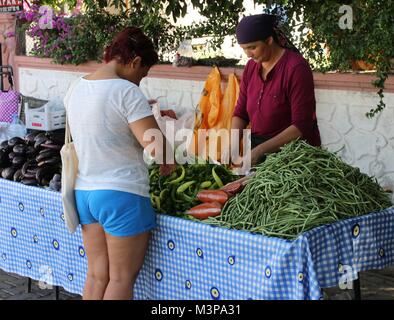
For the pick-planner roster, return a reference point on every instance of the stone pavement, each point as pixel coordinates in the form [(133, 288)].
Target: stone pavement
[(15, 287), (375, 285)]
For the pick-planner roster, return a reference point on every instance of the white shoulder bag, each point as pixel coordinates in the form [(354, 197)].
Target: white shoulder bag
[(69, 175)]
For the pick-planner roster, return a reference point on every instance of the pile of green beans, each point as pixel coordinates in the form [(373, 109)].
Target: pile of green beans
[(299, 188)]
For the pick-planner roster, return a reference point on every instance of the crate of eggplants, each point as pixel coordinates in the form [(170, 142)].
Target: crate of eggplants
[(33, 160)]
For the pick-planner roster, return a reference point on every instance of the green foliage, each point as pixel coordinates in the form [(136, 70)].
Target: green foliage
[(221, 20), (57, 5), (89, 34), (329, 47), (221, 17), (312, 24)]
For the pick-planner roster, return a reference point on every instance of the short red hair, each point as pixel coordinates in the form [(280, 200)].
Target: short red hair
[(128, 44)]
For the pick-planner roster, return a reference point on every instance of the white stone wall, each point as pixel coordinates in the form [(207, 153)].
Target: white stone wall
[(365, 143), (45, 84)]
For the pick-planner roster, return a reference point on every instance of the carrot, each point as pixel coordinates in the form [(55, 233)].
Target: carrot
[(205, 210), (213, 196)]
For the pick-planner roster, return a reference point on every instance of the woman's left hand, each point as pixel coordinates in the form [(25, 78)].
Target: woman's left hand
[(256, 156)]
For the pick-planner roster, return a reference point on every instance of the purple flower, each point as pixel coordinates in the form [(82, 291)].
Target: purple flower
[(10, 34), (30, 16)]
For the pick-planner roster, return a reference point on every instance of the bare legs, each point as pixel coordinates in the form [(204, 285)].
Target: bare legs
[(113, 263), (126, 256)]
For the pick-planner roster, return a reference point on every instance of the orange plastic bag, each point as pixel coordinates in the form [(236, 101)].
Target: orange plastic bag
[(217, 111), (210, 100), (228, 103)]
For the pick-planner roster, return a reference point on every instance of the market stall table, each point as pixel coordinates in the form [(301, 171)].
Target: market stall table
[(192, 260)]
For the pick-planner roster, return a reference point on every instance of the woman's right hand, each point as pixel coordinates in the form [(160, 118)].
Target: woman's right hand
[(168, 113)]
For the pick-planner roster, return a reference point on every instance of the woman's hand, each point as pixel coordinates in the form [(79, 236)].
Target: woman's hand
[(169, 113), (257, 156)]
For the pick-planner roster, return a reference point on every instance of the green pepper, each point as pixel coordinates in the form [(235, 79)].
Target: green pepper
[(214, 186), (174, 196), (217, 179), (187, 198), (184, 186), (153, 172), (180, 178), (172, 176), (205, 184), (156, 201), (163, 193), (152, 200)]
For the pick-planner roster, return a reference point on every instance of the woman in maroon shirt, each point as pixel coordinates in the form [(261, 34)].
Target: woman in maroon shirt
[(277, 92)]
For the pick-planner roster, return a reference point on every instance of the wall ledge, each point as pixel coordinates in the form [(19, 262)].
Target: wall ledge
[(329, 81)]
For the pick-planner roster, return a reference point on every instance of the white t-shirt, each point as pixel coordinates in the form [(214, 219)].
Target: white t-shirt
[(109, 155)]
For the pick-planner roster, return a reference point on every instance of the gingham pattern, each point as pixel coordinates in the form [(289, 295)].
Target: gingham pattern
[(191, 260), (42, 249), (9, 104)]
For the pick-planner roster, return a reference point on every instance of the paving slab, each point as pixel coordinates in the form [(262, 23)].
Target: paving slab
[(374, 284)]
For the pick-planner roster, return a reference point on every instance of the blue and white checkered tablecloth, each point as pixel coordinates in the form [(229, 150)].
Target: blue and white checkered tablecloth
[(191, 260)]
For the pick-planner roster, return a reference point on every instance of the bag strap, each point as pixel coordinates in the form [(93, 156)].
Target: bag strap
[(67, 137)]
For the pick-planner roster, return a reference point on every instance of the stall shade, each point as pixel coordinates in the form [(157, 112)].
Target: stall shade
[(191, 260)]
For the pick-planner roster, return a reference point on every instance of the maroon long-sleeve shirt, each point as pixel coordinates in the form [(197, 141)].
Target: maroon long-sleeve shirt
[(285, 98)]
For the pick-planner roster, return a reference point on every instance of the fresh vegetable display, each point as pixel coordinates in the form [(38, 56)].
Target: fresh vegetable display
[(33, 160), (177, 193), (300, 188)]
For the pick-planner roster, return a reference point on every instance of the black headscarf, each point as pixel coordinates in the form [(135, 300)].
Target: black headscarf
[(260, 27)]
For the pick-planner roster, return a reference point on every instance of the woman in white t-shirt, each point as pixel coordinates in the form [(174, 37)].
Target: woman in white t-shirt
[(108, 115)]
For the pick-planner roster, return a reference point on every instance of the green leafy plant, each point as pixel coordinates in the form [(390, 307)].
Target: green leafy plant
[(57, 5), (221, 17), (312, 25), (331, 48), (81, 38)]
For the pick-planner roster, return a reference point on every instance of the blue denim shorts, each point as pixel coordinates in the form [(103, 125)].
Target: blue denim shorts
[(120, 213)]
